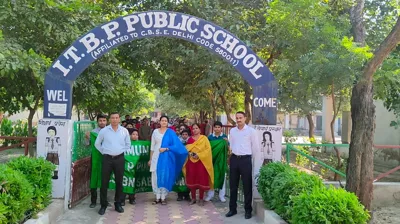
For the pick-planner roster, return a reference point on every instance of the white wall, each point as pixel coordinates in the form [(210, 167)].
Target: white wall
[(384, 134)]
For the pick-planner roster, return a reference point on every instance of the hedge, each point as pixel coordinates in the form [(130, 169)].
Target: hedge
[(38, 172), (332, 205), (25, 188), (16, 195), (301, 198)]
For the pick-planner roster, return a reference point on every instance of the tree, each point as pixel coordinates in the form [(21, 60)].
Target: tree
[(33, 34), (386, 79), (106, 87), (359, 177)]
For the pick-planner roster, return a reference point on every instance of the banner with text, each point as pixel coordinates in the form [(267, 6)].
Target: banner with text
[(100, 40), (137, 176), (265, 105)]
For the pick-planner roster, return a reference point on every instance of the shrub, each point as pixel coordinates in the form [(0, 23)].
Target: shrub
[(20, 128), (266, 177), (6, 129), (302, 160), (289, 136), (15, 195), (328, 206), (38, 172), (288, 184)]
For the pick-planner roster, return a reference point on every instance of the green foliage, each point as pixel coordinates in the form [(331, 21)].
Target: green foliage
[(266, 177), (302, 198), (332, 205), (300, 159), (380, 17), (173, 106), (289, 184), (18, 128), (289, 136), (33, 34), (15, 195), (6, 129), (38, 172)]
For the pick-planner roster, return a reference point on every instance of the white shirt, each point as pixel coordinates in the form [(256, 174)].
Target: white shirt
[(110, 142), (245, 142), (156, 140)]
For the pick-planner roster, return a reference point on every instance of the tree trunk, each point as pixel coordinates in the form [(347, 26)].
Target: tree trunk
[(360, 163), (311, 125), (32, 111), (79, 114), (357, 22), (211, 98), (91, 116), (247, 101), (201, 116), (214, 111), (360, 166), (227, 109), (32, 151), (335, 113)]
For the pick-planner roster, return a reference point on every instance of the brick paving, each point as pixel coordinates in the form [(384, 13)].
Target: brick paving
[(146, 213), (174, 212)]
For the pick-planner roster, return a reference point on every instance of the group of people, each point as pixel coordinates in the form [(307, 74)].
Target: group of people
[(178, 150)]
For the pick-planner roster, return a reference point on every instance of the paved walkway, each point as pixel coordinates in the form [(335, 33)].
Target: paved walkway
[(146, 213)]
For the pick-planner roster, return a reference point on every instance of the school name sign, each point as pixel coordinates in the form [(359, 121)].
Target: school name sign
[(92, 45)]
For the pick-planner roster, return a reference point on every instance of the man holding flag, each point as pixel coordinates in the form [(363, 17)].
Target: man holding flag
[(219, 145), (95, 180)]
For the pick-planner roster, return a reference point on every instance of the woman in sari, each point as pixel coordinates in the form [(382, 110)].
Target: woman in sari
[(198, 169), (167, 156)]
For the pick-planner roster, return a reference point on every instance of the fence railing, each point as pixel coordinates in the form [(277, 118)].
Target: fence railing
[(386, 157), (80, 177), (81, 162), (25, 141), (81, 146), (292, 147), (389, 152)]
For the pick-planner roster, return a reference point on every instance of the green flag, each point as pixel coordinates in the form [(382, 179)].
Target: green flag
[(219, 155), (137, 176), (97, 159), (180, 184)]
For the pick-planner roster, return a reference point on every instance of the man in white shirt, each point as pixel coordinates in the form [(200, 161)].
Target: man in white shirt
[(112, 142), (245, 155)]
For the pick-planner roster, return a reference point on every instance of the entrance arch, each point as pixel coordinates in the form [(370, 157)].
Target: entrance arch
[(100, 40)]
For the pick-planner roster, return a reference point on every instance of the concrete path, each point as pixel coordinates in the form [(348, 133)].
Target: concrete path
[(146, 213)]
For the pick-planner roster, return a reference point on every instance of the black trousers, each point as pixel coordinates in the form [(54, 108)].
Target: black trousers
[(241, 167), (115, 164), (130, 197), (93, 191), (183, 194), (93, 195)]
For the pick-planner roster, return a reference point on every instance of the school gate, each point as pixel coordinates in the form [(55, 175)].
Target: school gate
[(100, 40)]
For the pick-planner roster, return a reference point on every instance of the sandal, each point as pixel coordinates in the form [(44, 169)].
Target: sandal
[(201, 202), (163, 202), (192, 202), (156, 202)]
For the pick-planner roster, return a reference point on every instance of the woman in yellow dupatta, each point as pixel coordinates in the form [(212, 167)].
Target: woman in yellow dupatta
[(198, 170)]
